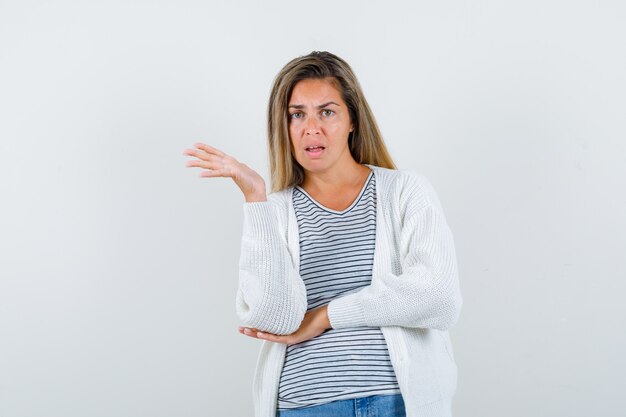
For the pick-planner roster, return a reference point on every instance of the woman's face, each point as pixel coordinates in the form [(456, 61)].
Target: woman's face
[(319, 125)]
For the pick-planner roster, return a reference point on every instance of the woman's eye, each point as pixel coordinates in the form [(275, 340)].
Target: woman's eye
[(296, 115), (327, 112)]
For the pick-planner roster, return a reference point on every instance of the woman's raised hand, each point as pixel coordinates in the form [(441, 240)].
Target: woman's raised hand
[(219, 164)]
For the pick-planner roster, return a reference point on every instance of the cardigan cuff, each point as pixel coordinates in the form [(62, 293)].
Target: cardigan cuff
[(346, 311), (259, 218)]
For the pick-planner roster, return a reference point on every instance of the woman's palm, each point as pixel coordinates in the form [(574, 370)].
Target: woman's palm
[(219, 164)]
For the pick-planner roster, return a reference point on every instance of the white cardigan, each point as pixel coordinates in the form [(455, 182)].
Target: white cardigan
[(414, 295)]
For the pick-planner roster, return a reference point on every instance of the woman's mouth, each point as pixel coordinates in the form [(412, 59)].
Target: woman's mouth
[(314, 150)]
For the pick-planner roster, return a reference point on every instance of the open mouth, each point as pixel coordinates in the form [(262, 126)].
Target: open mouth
[(314, 149)]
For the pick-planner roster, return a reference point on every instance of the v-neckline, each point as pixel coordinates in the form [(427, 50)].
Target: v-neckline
[(354, 203)]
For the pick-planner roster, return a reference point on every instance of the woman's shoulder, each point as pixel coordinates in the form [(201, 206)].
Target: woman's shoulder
[(406, 184), (401, 178)]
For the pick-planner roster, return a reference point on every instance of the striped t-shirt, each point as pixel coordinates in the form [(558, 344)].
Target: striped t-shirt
[(336, 258)]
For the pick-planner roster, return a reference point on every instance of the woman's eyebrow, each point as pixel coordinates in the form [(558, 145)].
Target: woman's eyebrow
[(301, 106)]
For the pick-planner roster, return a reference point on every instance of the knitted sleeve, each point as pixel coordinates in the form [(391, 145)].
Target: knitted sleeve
[(426, 293), (271, 296)]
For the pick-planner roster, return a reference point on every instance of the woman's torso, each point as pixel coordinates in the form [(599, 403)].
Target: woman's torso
[(336, 258)]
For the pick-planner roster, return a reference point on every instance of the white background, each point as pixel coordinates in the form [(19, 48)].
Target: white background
[(118, 265)]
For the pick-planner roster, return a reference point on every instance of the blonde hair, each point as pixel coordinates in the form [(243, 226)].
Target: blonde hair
[(365, 142)]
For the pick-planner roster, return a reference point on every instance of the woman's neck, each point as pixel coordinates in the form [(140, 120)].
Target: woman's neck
[(336, 181)]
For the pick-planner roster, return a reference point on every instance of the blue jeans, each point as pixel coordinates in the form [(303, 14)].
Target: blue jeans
[(372, 406)]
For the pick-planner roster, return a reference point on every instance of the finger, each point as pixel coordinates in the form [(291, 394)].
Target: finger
[(246, 331), (220, 170), (189, 151), (271, 337), (262, 335), (275, 338), (199, 153), (209, 149), (209, 162), (251, 333), (213, 173)]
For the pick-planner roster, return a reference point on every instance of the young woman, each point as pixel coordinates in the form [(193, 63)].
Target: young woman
[(348, 270)]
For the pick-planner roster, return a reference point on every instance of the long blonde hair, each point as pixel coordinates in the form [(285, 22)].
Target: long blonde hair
[(365, 142)]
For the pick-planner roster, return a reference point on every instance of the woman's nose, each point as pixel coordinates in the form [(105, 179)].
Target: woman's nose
[(312, 126)]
